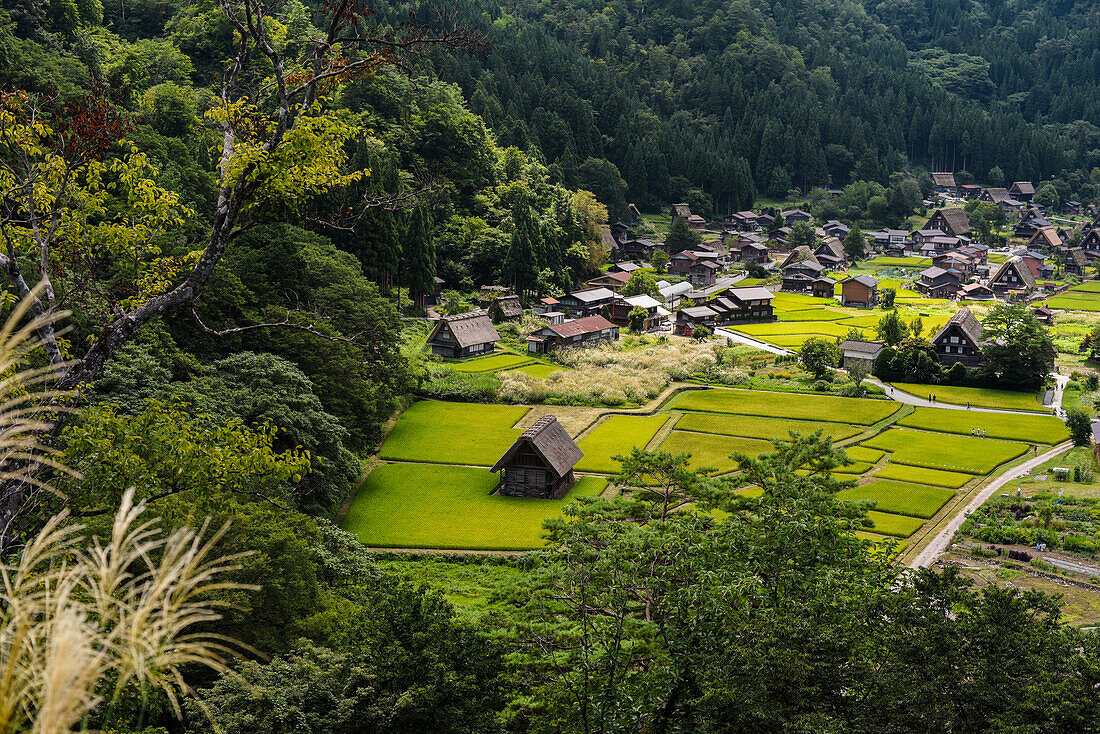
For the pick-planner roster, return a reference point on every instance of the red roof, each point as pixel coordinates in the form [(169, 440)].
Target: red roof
[(577, 327)]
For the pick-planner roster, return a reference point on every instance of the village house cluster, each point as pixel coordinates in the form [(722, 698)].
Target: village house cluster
[(703, 291)]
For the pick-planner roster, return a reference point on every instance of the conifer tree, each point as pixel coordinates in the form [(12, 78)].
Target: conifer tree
[(521, 267), (419, 253)]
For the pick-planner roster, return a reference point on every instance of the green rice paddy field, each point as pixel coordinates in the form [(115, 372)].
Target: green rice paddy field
[(492, 363), (885, 261), (1030, 428), (616, 436), (438, 432), (901, 499), (898, 526), (977, 396), (439, 493), (799, 406), (921, 475), (425, 506), (713, 451), (1076, 301), (750, 426), (958, 453)]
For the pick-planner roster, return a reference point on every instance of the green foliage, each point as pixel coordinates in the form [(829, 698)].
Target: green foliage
[(886, 297), (1021, 352), (680, 236), (170, 449), (819, 355), (636, 318), (1047, 195), (277, 273), (640, 283), (855, 246), (891, 329), (659, 260), (412, 667), (1079, 425), (263, 388), (802, 235)]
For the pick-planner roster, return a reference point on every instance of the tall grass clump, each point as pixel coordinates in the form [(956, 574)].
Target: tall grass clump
[(616, 374), (82, 622)]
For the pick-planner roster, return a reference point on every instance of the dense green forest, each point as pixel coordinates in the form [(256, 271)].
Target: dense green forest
[(218, 213), (708, 95)]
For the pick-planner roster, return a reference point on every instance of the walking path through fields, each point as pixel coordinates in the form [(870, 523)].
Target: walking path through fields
[(939, 544)]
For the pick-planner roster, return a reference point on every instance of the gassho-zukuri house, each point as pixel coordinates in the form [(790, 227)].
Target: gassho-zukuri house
[(463, 335), (540, 463)]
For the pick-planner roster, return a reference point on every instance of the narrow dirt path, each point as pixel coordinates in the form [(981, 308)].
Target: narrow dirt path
[(939, 544)]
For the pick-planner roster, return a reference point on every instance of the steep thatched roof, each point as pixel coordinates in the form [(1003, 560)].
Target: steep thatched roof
[(551, 442), (967, 322), (943, 178), (468, 328), (1022, 272)]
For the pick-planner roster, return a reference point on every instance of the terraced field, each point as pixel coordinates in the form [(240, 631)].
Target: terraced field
[(436, 490), (801, 406)]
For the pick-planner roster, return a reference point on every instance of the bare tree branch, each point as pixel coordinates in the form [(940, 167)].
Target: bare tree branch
[(286, 323)]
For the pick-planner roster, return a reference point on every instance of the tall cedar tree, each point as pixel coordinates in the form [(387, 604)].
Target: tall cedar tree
[(521, 267), (419, 254), (855, 246), (680, 236)]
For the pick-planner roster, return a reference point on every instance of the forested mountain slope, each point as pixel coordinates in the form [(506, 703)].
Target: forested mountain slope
[(684, 94)]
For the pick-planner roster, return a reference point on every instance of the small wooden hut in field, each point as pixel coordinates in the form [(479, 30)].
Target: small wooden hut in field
[(540, 463)]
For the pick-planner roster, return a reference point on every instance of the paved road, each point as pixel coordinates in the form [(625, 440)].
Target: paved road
[(939, 544), (748, 340), (892, 392), (1059, 390)]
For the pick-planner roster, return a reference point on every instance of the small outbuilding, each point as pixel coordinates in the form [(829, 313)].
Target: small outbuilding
[(858, 352), (860, 291), (505, 308), (540, 463)]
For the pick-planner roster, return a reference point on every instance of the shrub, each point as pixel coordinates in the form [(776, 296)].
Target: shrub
[(1079, 425)]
